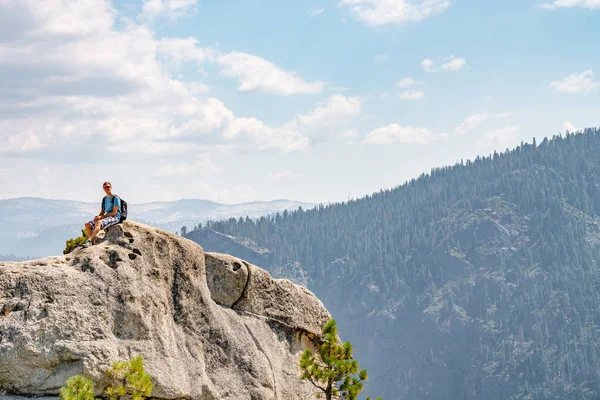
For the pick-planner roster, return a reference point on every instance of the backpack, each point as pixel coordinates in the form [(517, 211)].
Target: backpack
[(123, 207)]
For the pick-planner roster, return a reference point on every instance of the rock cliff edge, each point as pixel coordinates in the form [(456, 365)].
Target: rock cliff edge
[(208, 325)]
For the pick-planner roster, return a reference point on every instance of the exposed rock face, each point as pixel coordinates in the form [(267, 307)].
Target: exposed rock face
[(209, 326)]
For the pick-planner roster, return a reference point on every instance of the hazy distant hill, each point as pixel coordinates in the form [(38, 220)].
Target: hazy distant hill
[(476, 281), (39, 227)]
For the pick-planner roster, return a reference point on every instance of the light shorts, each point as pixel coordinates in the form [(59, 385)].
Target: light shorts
[(105, 222)]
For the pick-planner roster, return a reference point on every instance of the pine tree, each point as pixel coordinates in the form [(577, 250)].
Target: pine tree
[(332, 372), (129, 380), (78, 388), (72, 244)]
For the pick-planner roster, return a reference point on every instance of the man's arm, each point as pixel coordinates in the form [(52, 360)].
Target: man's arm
[(112, 213), (99, 216)]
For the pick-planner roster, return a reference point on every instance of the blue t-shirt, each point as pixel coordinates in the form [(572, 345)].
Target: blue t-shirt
[(108, 205)]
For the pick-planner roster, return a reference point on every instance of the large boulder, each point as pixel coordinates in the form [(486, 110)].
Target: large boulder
[(209, 326), (235, 283)]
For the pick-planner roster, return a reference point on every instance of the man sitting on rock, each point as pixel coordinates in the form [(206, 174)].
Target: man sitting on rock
[(110, 214)]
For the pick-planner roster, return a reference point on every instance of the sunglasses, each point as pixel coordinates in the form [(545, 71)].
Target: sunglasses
[(105, 187)]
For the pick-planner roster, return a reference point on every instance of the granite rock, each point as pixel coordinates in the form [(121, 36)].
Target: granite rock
[(209, 326)]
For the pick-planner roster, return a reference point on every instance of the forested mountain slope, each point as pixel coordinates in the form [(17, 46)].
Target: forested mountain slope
[(476, 281)]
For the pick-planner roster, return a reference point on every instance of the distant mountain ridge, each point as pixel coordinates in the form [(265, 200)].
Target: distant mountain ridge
[(31, 226)]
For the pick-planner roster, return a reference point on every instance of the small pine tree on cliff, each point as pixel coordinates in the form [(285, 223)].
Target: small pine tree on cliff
[(130, 380), (78, 388), (332, 372), (72, 244)]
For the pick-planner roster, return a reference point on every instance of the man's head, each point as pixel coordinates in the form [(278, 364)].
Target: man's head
[(107, 188)]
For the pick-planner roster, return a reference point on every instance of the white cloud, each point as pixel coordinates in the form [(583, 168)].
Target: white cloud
[(411, 95), (21, 142), (591, 4), (473, 121), (395, 133), (29, 19), (284, 175), (260, 137), (408, 82), (381, 58), (382, 12), (383, 95), (428, 65), (202, 165), (313, 12), (207, 117), (257, 74), (470, 123), (172, 9), (253, 73), (337, 108), (102, 87), (179, 51), (499, 138), (82, 84), (350, 133), (582, 83), (568, 126), (453, 64)]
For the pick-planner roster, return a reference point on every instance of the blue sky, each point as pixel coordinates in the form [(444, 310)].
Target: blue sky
[(236, 101)]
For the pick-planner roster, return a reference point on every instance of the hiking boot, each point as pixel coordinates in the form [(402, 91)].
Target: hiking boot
[(86, 244)]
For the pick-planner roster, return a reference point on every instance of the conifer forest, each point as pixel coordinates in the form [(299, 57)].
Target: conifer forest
[(479, 280)]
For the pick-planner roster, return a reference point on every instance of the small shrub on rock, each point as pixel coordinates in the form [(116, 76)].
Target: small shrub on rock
[(129, 380), (72, 244), (78, 388)]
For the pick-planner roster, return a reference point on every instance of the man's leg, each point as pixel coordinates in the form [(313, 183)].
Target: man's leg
[(96, 230), (88, 229)]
